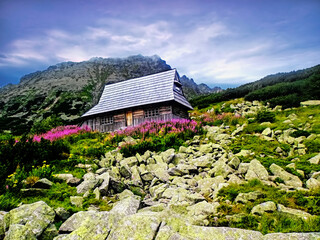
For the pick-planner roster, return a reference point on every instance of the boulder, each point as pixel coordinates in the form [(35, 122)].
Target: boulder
[(130, 162), (245, 153), (104, 187), (313, 184), (315, 159), (43, 183), (168, 155), (2, 231), (92, 225), (135, 177), (88, 185), (292, 236), (49, 233), (19, 231), (76, 200), (63, 176), (202, 161), (234, 162), (205, 148), (220, 168), (298, 213), (264, 207), (61, 213), (288, 178), (256, 171), (36, 217), (199, 212), (73, 181), (205, 186), (267, 132), (76, 220), (246, 197), (142, 225), (127, 206)]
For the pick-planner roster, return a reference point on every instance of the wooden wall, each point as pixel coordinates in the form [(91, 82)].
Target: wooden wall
[(167, 111)]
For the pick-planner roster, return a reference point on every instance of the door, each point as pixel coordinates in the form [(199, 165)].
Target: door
[(129, 118)]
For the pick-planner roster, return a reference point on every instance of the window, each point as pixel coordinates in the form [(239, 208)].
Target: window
[(177, 88), (151, 112), (106, 120)]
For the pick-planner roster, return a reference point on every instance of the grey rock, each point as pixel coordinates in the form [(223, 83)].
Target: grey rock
[(88, 185), (19, 231), (292, 236), (245, 197), (256, 171), (295, 212), (36, 217), (76, 200), (73, 181), (288, 178), (264, 207), (315, 159), (313, 184), (62, 213), (43, 183)]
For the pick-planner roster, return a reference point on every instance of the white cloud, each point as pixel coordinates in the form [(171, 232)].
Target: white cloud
[(208, 53)]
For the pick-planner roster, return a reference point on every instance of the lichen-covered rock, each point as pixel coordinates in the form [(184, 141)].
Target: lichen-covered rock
[(62, 213), (88, 185), (205, 186), (295, 212), (288, 178), (142, 225), (256, 171), (76, 200), (126, 206), (36, 217), (63, 176), (264, 207), (292, 236), (313, 184), (2, 231), (96, 227), (77, 219), (245, 197), (43, 183), (199, 212), (220, 168), (202, 161), (49, 233), (104, 187), (19, 232), (315, 159)]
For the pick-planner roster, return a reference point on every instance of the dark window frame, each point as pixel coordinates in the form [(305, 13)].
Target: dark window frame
[(106, 120), (152, 112)]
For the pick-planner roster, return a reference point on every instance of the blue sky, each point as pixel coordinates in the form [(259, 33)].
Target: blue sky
[(220, 43)]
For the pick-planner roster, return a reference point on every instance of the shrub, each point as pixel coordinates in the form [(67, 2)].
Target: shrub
[(266, 116), (299, 133), (313, 146)]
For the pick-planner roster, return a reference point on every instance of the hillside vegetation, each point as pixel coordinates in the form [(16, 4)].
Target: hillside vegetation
[(236, 164), (285, 89)]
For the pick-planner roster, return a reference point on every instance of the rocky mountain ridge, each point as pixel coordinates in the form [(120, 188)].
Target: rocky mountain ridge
[(68, 89)]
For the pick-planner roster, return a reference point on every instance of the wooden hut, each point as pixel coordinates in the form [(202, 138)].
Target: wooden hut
[(134, 101)]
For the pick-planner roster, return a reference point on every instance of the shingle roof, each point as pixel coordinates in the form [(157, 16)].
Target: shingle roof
[(135, 92)]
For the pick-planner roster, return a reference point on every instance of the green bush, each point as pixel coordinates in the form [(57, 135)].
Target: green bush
[(313, 146), (266, 116), (299, 133)]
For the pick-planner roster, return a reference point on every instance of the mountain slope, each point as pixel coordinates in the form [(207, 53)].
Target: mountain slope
[(287, 89), (68, 89)]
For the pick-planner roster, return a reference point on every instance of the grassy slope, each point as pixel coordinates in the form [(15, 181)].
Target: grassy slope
[(87, 148)]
